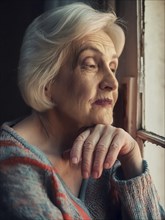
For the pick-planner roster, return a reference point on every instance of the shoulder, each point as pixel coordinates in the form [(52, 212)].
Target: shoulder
[(15, 150), (10, 144), (19, 164)]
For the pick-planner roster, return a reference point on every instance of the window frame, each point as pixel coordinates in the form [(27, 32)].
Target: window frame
[(143, 134), (132, 78)]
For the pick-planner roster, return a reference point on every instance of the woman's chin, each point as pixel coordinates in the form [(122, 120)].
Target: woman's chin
[(105, 121), (92, 121), (102, 117)]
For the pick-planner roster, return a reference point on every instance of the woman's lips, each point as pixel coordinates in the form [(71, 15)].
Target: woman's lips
[(103, 102)]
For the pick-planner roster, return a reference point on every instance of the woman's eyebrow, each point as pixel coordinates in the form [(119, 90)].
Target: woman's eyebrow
[(88, 48), (114, 56)]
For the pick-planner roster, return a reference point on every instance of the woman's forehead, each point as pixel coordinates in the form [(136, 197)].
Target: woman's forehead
[(99, 41)]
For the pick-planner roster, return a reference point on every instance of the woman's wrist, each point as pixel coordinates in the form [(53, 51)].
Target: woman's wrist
[(132, 163)]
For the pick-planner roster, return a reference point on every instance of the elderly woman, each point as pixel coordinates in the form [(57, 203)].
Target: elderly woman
[(60, 162)]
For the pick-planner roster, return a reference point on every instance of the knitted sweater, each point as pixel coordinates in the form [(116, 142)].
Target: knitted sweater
[(31, 189)]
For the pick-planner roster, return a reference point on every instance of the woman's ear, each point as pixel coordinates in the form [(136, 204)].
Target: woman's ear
[(48, 91)]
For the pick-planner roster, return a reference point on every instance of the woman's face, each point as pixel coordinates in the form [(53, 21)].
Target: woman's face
[(86, 89)]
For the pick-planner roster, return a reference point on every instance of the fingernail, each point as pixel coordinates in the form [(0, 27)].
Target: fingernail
[(74, 160), (106, 165), (95, 174), (85, 175)]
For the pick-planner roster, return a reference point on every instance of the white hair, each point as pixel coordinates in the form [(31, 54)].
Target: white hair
[(48, 40)]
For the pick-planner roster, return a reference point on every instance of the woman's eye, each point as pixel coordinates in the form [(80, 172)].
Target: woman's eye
[(92, 66), (113, 67), (89, 64)]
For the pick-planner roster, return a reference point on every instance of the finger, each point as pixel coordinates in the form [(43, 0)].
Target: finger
[(101, 152), (88, 150), (114, 149), (76, 151)]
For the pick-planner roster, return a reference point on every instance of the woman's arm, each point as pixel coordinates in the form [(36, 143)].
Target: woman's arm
[(138, 196), (98, 149)]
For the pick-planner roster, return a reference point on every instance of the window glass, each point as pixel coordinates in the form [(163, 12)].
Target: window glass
[(154, 67), (154, 89), (155, 156)]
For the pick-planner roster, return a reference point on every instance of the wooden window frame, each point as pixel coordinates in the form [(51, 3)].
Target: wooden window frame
[(131, 84)]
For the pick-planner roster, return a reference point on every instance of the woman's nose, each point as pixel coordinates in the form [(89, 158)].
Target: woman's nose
[(109, 81)]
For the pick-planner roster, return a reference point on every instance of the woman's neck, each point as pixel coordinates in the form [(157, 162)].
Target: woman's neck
[(60, 133)]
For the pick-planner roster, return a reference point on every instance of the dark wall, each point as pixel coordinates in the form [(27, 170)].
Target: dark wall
[(15, 16)]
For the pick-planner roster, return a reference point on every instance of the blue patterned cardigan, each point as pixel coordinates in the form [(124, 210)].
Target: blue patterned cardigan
[(31, 189)]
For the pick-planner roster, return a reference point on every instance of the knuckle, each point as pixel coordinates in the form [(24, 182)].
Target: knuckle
[(88, 146), (114, 149), (101, 149), (120, 130), (111, 157), (80, 138), (114, 146), (100, 126)]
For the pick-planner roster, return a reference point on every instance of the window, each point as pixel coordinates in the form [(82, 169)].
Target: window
[(152, 88), (152, 69)]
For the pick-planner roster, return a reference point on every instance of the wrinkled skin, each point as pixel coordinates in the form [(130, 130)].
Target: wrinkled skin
[(85, 97)]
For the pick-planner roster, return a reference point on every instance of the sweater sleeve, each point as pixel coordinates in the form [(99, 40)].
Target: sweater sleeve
[(138, 196), (22, 195)]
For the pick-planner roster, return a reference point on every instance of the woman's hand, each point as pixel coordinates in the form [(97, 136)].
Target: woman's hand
[(99, 147)]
